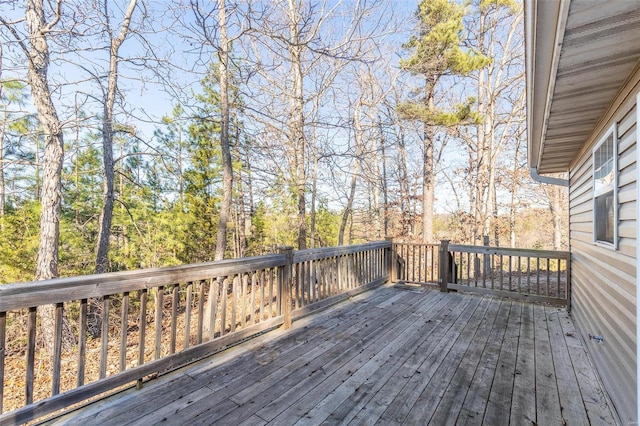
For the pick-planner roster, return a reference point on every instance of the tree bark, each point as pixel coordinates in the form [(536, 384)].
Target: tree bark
[(383, 185), (428, 174), (555, 207), (106, 215), (227, 167), (296, 124), (38, 58), (354, 177), (2, 183)]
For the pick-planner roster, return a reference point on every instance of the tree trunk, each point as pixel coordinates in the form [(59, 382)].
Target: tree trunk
[(106, 215), (354, 178), (428, 175), (555, 207), (51, 197), (383, 184), (405, 196), (227, 167), (94, 314), (296, 125), (2, 183), (314, 191)]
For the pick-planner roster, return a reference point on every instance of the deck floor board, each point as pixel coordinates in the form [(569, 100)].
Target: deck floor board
[(393, 355)]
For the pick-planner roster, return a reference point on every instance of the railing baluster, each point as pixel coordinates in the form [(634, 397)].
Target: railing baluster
[(492, 269), (528, 275), (201, 297), (124, 328), (519, 274), (262, 284), (484, 270), (548, 275), (558, 283), (243, 301), (224, 294), (142, 327), (104, 337), (413, 262), (501, 273), (511, 273), (175, 302), (57, 350), (31, 355), (538, 275), (3, 351), (214, 295), (187, 315), (297, 284), (82, 342), (253, 298), (158, 321), (234, 302), (270, 279)]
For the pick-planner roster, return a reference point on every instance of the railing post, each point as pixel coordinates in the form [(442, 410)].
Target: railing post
[(285, 285), (443, 256), (392, 263), (568, 268), (488, 267)]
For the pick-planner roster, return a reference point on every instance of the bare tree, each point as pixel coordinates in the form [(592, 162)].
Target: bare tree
[(500, 88), (317, 43), (108, 120)]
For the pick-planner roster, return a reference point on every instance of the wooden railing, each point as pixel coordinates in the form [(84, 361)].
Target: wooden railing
[(155, 320), (418, 263), (535, 275)]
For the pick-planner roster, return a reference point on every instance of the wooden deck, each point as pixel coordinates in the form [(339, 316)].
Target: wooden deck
[(391, 355)]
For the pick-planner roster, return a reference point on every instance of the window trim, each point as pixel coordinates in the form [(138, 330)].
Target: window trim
[(611, 132)]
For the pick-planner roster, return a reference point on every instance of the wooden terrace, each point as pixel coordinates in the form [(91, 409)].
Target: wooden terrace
[(334, 338), (396, 354)]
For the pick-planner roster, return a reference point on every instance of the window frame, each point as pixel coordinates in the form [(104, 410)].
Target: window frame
[(613, 133)]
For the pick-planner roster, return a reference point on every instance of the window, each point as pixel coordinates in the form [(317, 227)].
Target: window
[(605, 190)]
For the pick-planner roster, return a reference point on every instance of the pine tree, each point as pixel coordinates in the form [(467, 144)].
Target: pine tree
[(437, 52)]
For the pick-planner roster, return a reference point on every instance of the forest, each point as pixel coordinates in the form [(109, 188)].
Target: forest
[(143, 133)]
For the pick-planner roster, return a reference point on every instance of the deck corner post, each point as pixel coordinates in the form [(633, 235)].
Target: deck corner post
[(392, 263), (285, 285), (443, 257)]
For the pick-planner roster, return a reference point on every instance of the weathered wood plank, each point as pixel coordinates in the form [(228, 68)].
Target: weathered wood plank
[(315, 370), (592, 394), (470, 368), (421, 357), (498, 407), (556, 301), (405, 400), (547, 398), (430, 397), (572, 409), (362, 395), (358, 370), (475, 403), (523, 403)]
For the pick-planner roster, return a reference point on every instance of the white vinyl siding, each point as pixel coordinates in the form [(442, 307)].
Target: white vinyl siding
[(604, 280)]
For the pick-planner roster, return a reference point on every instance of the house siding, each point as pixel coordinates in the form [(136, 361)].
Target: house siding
[(603, 279)]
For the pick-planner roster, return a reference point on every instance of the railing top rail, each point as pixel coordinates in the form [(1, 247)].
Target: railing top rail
[(507, 251), (35, 293), (405, 243), (327, 252)]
